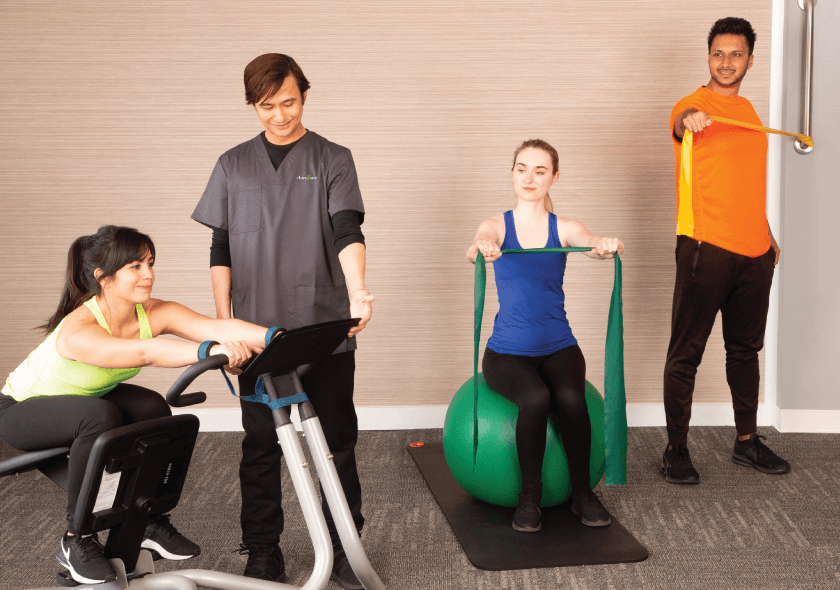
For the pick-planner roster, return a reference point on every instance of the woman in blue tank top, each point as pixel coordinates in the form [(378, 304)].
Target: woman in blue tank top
[(532, 357)]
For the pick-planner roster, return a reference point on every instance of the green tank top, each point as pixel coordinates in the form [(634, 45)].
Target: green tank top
[(45, 372)]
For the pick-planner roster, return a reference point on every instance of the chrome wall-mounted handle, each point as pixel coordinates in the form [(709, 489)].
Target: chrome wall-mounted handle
[(808, 7)]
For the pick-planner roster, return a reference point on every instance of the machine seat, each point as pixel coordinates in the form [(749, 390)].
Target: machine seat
[(30, 460)]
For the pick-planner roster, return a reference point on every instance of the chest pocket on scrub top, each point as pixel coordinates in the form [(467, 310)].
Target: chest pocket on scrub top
[(245, 210)]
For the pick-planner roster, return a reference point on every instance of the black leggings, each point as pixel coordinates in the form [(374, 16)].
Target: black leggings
[(76, 421), (538, 385)]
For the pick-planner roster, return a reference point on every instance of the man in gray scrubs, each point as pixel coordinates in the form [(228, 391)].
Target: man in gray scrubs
[(286, 210)]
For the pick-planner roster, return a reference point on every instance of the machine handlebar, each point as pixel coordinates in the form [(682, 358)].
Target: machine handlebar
[(174, 397)]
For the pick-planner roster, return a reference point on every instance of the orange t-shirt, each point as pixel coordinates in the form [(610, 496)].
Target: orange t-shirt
[(728, 184)]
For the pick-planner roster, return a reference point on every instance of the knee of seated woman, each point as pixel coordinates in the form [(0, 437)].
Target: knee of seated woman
[(103, 417), (137, 403), (569, 398), (535, 401), (155, 409)]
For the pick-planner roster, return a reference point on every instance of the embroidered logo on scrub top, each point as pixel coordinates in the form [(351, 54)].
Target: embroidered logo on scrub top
[(307, 178)]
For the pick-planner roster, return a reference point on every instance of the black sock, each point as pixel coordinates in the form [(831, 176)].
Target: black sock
[(532, 490), (579, 487)]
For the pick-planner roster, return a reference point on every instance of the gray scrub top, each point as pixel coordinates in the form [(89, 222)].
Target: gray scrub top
[(284, 266)]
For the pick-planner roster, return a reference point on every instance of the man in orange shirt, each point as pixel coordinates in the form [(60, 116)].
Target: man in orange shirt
[(725, 252)]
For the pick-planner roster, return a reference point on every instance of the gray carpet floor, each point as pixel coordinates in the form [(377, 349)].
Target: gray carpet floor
[(737, 529)]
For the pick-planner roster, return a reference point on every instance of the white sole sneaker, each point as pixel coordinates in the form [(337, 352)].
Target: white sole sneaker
[(156, 547)]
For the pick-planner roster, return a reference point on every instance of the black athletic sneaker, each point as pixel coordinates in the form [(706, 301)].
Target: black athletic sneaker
[(342, 573), (587, 505), (754, 453), (265, 562), (526, 518), (677, 467), (84, 558), (164, 539)]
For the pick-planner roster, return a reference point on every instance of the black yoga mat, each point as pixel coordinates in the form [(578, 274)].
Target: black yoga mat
[(491, 543)]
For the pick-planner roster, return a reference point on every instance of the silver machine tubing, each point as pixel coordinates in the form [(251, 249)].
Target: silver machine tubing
[(169, 580), (312, 514), (311, 507), (203, 579), (808, 7), (338, 505)]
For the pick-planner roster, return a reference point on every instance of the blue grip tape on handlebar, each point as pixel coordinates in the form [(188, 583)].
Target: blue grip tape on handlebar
[(203, 349)]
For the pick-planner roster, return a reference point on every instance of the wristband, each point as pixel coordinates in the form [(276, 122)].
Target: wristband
[(204, 347), (271, 332)]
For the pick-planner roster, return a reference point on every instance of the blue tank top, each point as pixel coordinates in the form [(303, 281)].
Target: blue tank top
[(531, 319)]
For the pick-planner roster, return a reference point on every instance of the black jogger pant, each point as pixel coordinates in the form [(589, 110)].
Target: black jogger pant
[(538, 385), (76, 421), (711, 279), (329, 386)]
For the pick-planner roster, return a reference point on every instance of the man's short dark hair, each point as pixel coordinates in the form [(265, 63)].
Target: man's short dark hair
[(265, 75), (732, 25)]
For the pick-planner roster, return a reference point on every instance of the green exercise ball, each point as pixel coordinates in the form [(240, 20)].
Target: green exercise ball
[(495, 478)]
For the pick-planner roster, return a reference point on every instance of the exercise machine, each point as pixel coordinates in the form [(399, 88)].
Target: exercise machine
[(277, 367)]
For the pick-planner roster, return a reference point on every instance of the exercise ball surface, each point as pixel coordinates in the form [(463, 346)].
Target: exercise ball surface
[(495, 478)]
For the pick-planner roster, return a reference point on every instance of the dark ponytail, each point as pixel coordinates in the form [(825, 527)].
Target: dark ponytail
[(109, 249)]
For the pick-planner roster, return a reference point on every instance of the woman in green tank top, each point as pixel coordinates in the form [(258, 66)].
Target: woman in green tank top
[(70, 389)]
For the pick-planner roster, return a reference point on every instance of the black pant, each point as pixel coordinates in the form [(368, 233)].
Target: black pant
[(539, 385), (76, 421), (329, 386), (711, 279)]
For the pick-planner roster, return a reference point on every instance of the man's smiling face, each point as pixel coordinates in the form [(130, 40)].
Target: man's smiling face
[(729, 60)]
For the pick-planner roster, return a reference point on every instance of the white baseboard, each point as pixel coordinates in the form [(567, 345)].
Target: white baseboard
[(417, 417), (810, 421), (370, 418), (215, 419), (400, 417)]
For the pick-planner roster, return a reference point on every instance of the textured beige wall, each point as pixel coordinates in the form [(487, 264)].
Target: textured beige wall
[(117, 112)]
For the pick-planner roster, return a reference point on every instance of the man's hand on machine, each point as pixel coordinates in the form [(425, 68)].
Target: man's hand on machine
[(360, 307), (238, 352)]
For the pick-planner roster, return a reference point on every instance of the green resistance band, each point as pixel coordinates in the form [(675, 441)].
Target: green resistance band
[(615, 414)]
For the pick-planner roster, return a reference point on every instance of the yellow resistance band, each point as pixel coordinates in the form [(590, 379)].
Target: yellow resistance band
[(806, 139), (685, 203), (685, 209)]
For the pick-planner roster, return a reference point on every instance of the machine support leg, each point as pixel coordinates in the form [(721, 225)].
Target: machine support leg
[(305, 488), (310, 506), (163, 580), (337, 500)]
